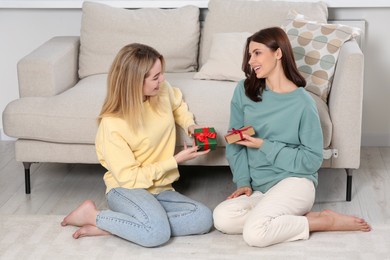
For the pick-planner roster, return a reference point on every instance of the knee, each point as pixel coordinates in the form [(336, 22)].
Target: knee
[(152, 234), (255, 239), (156, 237), (208, 219), (221, 220), (256, 235), (196, 221), (204, 219)]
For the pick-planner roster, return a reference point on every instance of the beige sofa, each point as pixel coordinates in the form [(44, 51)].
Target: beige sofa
[(63, 82)]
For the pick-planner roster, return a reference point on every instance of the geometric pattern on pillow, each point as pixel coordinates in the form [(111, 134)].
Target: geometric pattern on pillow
[(316, 47)]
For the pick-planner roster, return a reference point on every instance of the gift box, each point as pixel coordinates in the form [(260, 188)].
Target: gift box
[(205, 138), (236, 135)]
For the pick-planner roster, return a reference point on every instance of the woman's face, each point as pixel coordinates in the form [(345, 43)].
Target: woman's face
[(262, 60), (153, 80)]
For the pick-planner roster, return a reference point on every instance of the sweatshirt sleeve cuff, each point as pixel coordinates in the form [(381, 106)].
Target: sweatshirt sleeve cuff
[(169, 164), (243, 183), (189, 123), (266, 147)]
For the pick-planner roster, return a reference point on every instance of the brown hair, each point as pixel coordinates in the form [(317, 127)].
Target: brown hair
[(125, 83), (274, 38)]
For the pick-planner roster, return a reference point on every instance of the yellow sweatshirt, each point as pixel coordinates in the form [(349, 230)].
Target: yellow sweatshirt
[(144, 159)]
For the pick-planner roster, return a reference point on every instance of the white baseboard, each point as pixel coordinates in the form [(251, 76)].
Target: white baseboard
[(4, 137)]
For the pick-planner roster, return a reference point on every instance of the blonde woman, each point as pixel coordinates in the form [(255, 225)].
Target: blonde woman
[(135, 142)]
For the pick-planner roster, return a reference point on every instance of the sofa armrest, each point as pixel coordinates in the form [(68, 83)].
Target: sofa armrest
[(345, 106), (50, 69)]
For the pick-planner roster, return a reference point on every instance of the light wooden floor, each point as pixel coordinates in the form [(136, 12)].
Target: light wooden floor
[(59, 188)]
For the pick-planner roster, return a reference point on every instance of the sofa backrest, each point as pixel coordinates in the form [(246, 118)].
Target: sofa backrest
[(176, 32), (250, 16), (104, 30)]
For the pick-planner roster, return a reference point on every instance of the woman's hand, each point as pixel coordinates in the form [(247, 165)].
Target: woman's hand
[(250, 141), (191, 128), (241, 191), (189, 153)]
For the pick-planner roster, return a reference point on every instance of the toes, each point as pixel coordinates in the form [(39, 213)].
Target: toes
[(360, 220), (364, 226), (367, 228), (77, 234)]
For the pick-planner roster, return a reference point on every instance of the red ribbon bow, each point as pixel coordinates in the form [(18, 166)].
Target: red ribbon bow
[(204, 137), (237, 131)]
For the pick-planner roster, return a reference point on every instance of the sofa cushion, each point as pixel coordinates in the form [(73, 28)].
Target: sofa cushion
[(251, 16), (104, 30), (226, 54), (316, 47), (212, 108), (71, 117)]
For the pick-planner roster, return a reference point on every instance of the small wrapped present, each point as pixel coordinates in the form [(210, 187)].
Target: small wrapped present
[(205, 138), (236, 135)]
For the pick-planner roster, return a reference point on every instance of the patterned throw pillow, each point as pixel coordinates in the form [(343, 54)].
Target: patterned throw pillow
[(316, 47)]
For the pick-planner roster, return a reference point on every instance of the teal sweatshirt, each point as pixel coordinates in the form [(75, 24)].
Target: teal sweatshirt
[(291, 129)]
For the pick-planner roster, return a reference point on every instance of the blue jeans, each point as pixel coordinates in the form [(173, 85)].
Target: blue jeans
[(150, 220)]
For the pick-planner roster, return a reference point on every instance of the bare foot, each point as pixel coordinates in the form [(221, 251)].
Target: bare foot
[(85, 214), (88, 231), (329, 220)]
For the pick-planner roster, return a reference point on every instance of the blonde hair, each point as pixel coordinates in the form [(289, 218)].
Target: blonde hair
[(126, 76)]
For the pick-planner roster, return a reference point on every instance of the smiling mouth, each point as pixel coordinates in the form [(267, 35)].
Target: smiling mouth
[(256, 68)]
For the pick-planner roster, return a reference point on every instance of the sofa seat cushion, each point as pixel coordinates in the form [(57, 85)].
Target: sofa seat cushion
[(71, 117), (209, 100)]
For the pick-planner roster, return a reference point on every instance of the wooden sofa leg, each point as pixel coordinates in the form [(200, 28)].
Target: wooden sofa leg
[(27, 176), (349, 184)]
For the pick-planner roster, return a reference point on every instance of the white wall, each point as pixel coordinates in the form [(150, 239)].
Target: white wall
[(22, 30), (376, 100)]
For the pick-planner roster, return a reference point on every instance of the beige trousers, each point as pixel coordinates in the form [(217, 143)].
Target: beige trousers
[(268, 218)]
